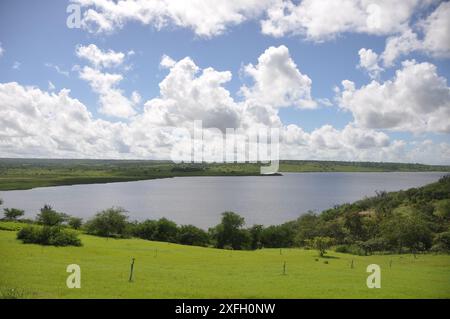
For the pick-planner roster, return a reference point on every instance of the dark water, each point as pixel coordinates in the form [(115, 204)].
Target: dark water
[(200, 200)]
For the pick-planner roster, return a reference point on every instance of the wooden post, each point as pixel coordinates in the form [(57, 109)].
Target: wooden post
[(284, 268), (131, 270), (156, 252), (351, 266), (390, 263)]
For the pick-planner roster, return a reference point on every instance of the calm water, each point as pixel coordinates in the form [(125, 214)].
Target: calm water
[(200, 200)]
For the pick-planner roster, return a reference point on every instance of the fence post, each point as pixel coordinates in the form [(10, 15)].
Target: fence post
[(131, 270)]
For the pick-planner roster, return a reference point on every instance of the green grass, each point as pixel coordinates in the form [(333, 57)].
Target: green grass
[(176, 271)]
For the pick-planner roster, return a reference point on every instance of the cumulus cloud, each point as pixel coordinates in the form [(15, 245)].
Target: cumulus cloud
[(189, 93), (417, 99), (325, 19), (54, 124), (277, 81), (100, 58), (111, 98), (368, 60), (205, 18), (432, 37), (38, 123)]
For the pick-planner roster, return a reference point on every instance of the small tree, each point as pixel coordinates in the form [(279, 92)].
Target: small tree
[(13, 213), (75, 222), (321, 244), (111, 222), (229, 232), (49, 217), (191, 235), (166, 230)]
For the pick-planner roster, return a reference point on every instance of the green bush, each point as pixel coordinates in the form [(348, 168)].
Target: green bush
[(49, 217), (48, 235), (350, 249), (191, 235), (111, 222)]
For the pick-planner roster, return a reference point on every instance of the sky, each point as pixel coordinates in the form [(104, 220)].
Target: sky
[(357, 80)]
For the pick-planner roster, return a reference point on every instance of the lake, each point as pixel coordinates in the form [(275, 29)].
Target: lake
[(266, 200)]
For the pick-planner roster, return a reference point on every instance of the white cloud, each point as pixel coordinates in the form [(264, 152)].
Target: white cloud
[(277, 81), (205, 18), (57, 69), (112, 101), (417, 99), (45, 124), (100, 58), (437, 31), (368, 60), (37, 123), (325, 19), (188, 93), (167, 62), (435, 40), (2, 51)]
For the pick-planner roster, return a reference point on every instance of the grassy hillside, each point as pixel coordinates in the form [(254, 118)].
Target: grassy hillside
[(31, 173), (165, 270)]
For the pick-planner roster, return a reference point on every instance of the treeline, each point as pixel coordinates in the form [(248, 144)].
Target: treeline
[(415, 220)]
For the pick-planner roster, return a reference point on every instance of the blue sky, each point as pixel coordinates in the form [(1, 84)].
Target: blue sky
[(35, 38)]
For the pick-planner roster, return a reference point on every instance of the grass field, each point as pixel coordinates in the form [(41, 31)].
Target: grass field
[(165, 270), (30, 173)]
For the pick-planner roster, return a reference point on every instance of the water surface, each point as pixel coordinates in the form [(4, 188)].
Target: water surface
[(263, 200)]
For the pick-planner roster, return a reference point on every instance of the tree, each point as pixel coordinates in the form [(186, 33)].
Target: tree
[(146, 229), (75, 222), (321, 244), (442, 242), (308, 228), (49, 217), (166, 230), (230, 233), (280, 235), (353, 222), (13, 213), (191, 235), (111, 222), (406, 231), (256, 234)]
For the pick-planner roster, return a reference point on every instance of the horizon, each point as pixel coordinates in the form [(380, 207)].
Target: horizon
[(204, 162)]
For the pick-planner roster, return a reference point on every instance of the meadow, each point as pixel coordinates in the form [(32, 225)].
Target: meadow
[(18, 174), (166, 270)]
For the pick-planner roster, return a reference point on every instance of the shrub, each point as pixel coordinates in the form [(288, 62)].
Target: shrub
[(350, 249), (48, 235), (146, 229), (321, 244), (166, 230), (75, 222), (441, 242), (191, 235), (111, 222), (13, 213), (49, 217)]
